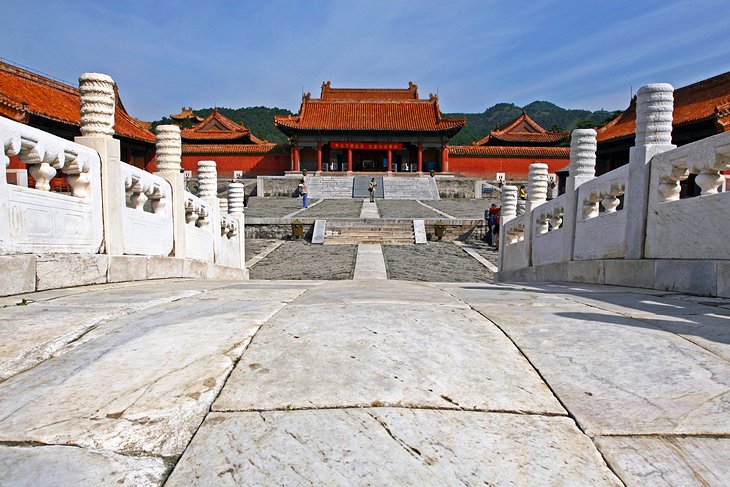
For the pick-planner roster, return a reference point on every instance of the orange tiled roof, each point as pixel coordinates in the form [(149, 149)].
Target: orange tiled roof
[(369, 114), (372, 94), (258, 149), (23, 93), (702, 101), (508, 151), (523, 130), (186, 113), (217, 126)]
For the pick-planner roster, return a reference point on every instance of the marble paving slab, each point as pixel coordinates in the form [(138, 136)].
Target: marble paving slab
[(668, 461), (386, 446), (140, 384), (637, 305), (65, 466), (380, 292), (401, 354), (618, 375)]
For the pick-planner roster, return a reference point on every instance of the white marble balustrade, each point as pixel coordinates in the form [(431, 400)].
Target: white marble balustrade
[(516, 241), (694, 228), (146, 213), (36, 220), (600, 229), (230, 241), (198, 230), (547, 235)]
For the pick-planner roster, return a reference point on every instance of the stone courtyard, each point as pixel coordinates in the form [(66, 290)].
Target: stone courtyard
[(359, 382)]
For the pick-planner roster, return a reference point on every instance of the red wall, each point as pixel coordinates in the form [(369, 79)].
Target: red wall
[(251, 165), (488, 167)]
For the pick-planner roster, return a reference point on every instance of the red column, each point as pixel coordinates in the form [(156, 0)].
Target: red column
[(349, 160), (319, 156), (444, 159), (291, 165), (296, 158), (390, 160), (420, 157)]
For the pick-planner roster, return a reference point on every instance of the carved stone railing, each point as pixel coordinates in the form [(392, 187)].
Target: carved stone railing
[(514, 237), (696, 227), (35, 220), (231, 239), (547, 231), (600, 229), (147, 213), (198, 231)]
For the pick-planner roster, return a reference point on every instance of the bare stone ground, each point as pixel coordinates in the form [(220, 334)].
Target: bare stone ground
[(255, 246), (433, 262), (461, 208), (272, 207), (404, 209), (334, 209), (302, 260)]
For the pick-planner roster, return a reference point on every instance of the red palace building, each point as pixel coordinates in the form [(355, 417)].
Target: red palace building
[(511, 150), (371, 130)]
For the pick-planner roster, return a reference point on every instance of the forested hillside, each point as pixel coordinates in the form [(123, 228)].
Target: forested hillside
[(260, 120)]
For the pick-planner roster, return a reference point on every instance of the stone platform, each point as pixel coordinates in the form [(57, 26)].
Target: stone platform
[(363, 383)]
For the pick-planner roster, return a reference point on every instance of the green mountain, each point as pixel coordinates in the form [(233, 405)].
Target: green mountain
[(549, 115), (260, 120)]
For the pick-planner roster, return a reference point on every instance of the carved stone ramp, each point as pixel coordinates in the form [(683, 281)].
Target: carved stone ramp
[(360, 187), (366, 382)]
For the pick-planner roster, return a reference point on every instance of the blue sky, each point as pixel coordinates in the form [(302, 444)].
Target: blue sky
[(165, 54)]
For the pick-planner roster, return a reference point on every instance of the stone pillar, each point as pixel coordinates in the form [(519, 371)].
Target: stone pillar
[(296, 158), (349, 160), (208, 191), (97, 109), (654, 106), (319, 156), (390, 160), (582, 168), (537, 185), (508, 213), (169, 167), (420, 157), (235, 209), (444, 159)]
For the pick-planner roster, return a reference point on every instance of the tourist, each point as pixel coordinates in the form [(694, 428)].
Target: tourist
[(303, 190), (522, 193), (489, 217), (371, 188), (497, 220)]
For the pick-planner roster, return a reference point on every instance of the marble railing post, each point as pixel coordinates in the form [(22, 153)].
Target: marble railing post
[(169, 167), (97, 102), (654, 107), (235, 209), (507, 213), (537, 185), (208, 191), (582, 168)]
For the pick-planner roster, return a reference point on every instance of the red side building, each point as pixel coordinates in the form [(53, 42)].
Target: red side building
[(232, 146), (53, 106), (510, 150), (371, 130)]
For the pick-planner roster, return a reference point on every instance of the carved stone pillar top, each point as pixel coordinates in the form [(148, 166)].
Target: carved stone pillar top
[(583, 153), (168, 148), (654, 105), (537, 184), (509, 202), (207, 179), (97, 100), (235, 198)]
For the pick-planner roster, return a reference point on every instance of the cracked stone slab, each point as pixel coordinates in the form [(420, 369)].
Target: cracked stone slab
[(385, 354), (619, 375), (69, 466), (638, 306), (384, 446), (242, 293), (477, 296), (142, 383), (663, 461), (376, 292)]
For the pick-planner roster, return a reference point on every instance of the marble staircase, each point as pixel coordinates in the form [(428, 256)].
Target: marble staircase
[(369, 231), (330, 187), (410, 188)]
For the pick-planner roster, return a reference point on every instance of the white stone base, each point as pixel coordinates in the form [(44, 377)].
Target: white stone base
[(702, 277), (17, 274)]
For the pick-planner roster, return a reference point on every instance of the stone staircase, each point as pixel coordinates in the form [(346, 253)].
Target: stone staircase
[(370, 230), (361, 184), (410, 188), (330, 187)]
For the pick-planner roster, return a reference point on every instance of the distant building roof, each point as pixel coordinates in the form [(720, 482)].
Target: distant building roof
[(24, 93), (522, 130), (218, 127), (238, 149), (369, 110), (186, 113), (509, 151), (707, 100)]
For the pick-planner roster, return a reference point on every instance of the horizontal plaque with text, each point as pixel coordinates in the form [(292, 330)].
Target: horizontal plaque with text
[(365, 145)]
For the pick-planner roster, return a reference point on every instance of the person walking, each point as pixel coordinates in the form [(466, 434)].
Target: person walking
[(522, 193), (371, 189), (497, 221), (303, 190)]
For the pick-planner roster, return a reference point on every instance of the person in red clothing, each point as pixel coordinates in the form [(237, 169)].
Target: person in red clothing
[(497, 220)]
